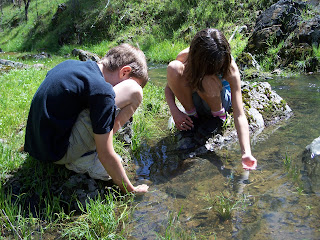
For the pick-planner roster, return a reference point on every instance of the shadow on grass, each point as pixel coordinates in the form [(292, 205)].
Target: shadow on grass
[(43, 189)]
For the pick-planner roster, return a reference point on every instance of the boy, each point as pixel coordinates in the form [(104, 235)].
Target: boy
[(79, 106)]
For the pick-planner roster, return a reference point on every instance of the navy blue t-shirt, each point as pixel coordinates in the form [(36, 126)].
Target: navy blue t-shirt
[(68, 88)]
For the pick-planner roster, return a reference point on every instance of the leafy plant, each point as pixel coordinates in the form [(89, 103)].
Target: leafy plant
[(316, 51)]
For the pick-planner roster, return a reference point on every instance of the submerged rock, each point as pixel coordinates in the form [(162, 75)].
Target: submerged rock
[(311, 167)]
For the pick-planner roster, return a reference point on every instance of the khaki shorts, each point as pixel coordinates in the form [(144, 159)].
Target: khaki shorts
[(81, 155)]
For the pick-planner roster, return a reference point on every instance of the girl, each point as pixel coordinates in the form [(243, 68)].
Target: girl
[(199, 78)]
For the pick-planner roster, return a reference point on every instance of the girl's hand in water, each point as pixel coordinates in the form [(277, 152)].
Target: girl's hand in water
[(249, 162)]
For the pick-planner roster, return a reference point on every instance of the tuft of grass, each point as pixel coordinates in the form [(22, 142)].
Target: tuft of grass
[(238, 44), (293, 173), (100, 219), (174, 230), (270, 59), (301, 65), (226, 204)]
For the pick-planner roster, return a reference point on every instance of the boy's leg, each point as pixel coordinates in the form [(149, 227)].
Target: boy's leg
[(81, 155), (81, 140), (128, 98)]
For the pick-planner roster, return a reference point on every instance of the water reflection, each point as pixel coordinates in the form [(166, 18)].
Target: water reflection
[(278, 208)]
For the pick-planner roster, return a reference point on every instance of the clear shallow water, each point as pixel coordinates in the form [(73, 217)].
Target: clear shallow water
[(276, 210)]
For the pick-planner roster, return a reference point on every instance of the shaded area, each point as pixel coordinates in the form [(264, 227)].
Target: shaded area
[(42, 189)]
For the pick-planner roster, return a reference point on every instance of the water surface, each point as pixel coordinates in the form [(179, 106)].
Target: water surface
[(276, 208)]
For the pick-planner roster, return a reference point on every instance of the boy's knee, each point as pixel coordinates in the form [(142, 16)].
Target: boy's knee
[(137, 94), (134, 90)]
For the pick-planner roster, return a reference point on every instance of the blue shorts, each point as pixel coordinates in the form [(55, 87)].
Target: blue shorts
[(202, 107)]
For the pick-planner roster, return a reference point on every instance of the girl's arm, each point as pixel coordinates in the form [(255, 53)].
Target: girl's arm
[(240, 120)]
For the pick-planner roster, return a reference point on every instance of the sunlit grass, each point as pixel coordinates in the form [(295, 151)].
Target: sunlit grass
[(148, 121), (270, 58), (316, 51), (17, 89), (237, 44), (101, 219), (164, 51)]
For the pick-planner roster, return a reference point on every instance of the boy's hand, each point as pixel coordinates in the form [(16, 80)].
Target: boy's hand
[(143, 188), (249, 162)]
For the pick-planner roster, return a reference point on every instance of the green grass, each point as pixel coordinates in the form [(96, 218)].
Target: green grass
[(150, 120), (18, 87), (164, 51), (316, 51), (100, 219), (160, 28)]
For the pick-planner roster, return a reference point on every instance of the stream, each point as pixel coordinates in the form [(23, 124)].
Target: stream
[(272, 203)]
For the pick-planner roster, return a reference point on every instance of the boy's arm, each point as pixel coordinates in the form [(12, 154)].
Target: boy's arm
[(112, 163)]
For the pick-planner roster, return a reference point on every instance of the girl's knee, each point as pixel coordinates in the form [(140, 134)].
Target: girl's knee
[(212, 86), (175, 69)]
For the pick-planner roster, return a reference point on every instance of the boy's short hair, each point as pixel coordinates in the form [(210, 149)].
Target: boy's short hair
[(209, 54), (127, 55)]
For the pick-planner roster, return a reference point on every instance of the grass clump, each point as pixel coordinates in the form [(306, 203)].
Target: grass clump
[(174, 231), (100, 219), (226, 204), (293, 173)]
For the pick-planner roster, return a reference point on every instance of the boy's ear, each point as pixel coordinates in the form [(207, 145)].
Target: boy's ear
[(125, 72)]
